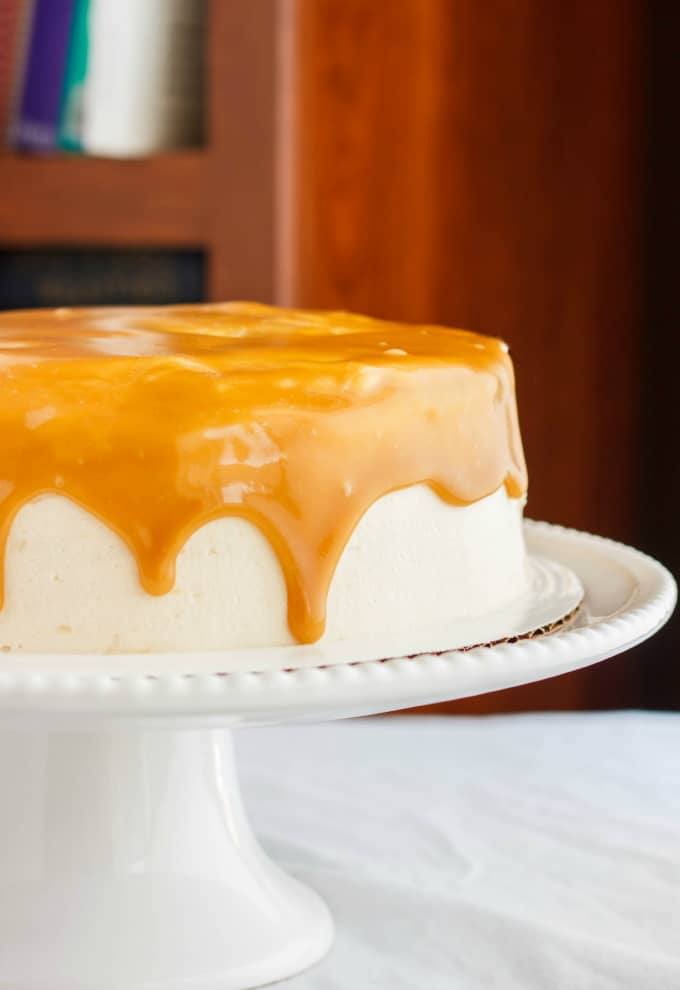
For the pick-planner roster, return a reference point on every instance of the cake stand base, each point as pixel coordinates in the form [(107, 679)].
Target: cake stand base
[(127, 862)]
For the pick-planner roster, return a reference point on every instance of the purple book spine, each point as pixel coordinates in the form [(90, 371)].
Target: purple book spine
[(35, 127)]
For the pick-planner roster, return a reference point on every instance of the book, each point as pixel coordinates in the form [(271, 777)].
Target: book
[(144, 84), (69, 127), (93, 277), (35, 124), (15, 18)]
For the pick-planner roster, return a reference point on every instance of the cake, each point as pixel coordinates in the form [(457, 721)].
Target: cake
[(235, 476)]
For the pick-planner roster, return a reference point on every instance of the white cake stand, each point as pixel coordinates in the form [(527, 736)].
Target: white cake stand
[(126, 860)]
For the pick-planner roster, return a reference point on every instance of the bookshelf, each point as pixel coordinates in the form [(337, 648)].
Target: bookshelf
[(218, 198), (90, 201)]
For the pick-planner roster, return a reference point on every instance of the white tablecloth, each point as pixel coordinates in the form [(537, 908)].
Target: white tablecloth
[(534, 851)]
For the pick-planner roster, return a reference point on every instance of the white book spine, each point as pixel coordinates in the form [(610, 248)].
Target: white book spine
[(144, 83)]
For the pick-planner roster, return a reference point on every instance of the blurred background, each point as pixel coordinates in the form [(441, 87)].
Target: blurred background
[(506, 166)]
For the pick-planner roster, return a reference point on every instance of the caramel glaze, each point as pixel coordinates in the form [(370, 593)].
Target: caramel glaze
[(157, 420)]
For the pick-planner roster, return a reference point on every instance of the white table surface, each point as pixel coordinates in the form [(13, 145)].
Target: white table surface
[(532, 851)]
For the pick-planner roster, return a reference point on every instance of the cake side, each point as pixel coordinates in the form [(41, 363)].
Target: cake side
[(413, 561)]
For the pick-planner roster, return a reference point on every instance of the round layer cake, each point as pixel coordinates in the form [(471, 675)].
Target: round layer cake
[(233, 475)]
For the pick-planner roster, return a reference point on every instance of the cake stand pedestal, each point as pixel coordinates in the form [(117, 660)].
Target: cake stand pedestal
[(126, 860)]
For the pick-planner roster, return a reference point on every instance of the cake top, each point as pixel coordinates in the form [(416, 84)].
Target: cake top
[(234, 336), (159, 419)]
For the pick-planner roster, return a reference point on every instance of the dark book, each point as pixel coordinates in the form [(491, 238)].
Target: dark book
[(35, 125), (14, 23), (30, 278)]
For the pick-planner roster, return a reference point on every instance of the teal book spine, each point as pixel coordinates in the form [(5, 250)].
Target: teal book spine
[(69, 129)]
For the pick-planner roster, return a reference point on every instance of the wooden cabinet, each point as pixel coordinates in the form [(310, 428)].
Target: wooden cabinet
[(480, 166)]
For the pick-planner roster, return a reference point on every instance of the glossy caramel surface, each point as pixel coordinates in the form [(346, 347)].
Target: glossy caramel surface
[(157, 420)]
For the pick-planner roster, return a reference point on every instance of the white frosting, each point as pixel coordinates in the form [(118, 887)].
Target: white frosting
[(72, 585)]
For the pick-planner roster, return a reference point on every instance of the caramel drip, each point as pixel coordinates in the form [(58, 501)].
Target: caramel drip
[(157, 420)]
